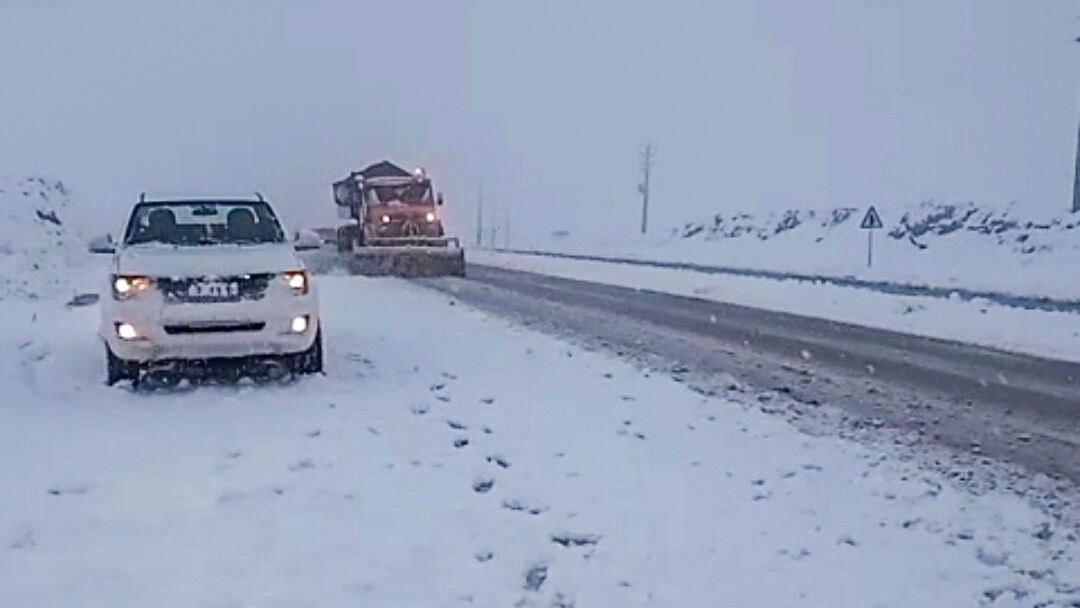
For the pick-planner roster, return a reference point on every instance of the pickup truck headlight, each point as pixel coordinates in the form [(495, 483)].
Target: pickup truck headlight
[(300, 324), (126, 331), (297, 281), (125, 286)]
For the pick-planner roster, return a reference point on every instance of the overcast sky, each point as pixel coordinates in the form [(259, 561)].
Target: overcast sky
[(753, 105)]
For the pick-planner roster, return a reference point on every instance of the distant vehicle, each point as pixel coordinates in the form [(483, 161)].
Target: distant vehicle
[(208, 289), (326, 235), (393, 224)]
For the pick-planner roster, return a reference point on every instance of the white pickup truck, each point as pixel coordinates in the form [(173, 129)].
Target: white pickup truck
[(208, 289)]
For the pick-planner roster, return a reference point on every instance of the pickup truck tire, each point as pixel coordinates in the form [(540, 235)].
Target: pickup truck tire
[(117, 369), (311, 360)]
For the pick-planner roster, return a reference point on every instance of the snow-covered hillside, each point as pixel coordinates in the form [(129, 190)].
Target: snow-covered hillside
[(952, 245), (921, 226), (38, 246)]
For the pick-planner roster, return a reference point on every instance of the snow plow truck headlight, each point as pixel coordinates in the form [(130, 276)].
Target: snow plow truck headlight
[(430, 217), (386, 219), (298, 281), (126, 286)]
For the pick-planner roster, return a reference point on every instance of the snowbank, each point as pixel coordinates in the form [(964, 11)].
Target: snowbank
[(948, 245), (920, 226), (38, 248)]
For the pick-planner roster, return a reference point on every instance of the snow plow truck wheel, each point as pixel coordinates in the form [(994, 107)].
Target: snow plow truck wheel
[(118, 369), (346, 239)]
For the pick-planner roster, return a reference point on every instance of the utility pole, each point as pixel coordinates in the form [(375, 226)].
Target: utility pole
[(1076, 174), (480, 216), (506, 227), (648, 159)]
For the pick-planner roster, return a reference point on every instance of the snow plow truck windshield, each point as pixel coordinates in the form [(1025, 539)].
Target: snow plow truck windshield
[(405, 194)]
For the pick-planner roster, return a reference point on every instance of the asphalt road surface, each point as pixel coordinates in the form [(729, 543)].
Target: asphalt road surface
[(975, 401)]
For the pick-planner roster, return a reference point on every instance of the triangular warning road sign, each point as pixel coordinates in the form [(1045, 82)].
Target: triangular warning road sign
[(872, 220)]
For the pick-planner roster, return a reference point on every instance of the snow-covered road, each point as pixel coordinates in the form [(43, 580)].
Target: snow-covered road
[(1048, 334), (452, 458)]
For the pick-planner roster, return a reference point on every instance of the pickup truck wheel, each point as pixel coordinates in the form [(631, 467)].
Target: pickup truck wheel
[(311, 360), (117, 369)]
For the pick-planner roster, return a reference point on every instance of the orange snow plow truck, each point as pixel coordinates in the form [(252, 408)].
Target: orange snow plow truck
[(393, 225)]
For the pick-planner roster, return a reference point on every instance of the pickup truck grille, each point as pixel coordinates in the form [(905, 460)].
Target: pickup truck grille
[(213, 328), (214, 289)]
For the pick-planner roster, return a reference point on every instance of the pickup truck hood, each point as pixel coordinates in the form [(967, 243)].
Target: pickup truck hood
[(208, 260)]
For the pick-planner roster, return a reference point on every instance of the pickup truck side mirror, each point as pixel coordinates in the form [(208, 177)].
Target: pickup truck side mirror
[(102, 244), (307, 240), (439, 199)]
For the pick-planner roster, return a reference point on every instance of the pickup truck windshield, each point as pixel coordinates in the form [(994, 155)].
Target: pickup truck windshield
[(203, 223)]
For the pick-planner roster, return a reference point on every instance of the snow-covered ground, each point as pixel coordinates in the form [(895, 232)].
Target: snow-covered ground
[(968, 246), (457, 459), (1041, 333)]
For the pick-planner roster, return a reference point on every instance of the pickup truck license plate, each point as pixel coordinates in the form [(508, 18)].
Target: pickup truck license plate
[(214, 289)]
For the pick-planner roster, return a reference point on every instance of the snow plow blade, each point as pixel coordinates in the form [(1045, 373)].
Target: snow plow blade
[(407, 261)]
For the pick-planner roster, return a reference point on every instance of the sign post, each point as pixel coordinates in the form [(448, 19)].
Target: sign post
[(871, 222)]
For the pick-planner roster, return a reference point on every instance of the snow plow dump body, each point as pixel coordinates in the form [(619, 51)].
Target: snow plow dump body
[(393, 225)]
